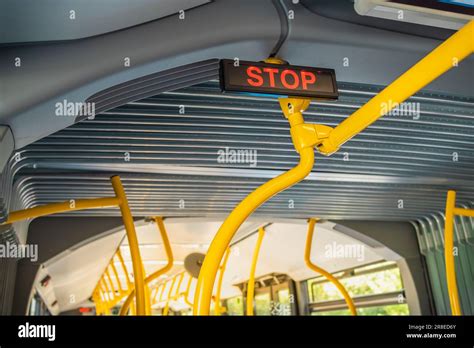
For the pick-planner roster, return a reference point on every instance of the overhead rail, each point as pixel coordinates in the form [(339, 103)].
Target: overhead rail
[(451, 211), (326, 274), (251, 282), (120, 200), (155, 275), (306, 137)]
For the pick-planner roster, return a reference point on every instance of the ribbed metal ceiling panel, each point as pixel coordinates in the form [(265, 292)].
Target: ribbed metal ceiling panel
[(173, 141)]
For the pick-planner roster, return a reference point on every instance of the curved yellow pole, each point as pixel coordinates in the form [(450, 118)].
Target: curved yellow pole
[(292, 108), (251, 282), (202, 298), (217, 307), (449, 255), (329, 276), (137, 265), (154, 275)]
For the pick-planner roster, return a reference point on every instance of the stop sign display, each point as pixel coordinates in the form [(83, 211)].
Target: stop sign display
[(287, 80)]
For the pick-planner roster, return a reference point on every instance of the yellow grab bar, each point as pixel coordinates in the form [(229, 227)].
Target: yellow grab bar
[(154, 275), (327, 140), (202, 297), (112, 287), (55, 208), (114, 270), (449, 255), (167, 306), (159, 290), (217, 307), (451, 211), (304, 142), (137, 264), (457, 47), (186, 292), (329, 276), (119, 200), (251, 282), (124, 268)]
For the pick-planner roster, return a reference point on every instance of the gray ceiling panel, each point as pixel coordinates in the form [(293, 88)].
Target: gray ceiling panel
[(173, 157)]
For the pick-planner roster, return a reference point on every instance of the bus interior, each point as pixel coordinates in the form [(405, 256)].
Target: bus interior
[(236, 158)]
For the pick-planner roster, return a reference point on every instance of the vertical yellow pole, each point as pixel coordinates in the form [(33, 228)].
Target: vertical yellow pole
[(167, 306), (186, 293), (158, 273), (160, 299), (158, 289), (107, 289), (147, 294), (217, 307), (112, 288), (153, 294), (181, 277), (103, 304), (139, 277), (329, 276), (97, 302), (114, 269), (106, 309), (124, 268), (449, 254), (251, 282)]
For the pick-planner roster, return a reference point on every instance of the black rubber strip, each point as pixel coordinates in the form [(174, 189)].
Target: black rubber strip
[(284, 24)]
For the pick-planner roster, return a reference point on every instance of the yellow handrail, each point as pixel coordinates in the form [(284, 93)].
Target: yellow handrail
[(114, 270), (154, 275), (329, 276), (120, 200), (446, 56), (292, 108), (217, 307), (186, 292), (112, 287), (451, 211), (159, 290), (251, 282), (56, 208), (137, 264), (124, 268), (307, 136), (203, 293), (167, 306)]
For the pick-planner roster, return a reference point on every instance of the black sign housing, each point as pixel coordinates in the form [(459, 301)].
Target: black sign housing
[(290, 80)]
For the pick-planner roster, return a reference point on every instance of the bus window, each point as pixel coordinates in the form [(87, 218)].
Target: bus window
[(377, 288)]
